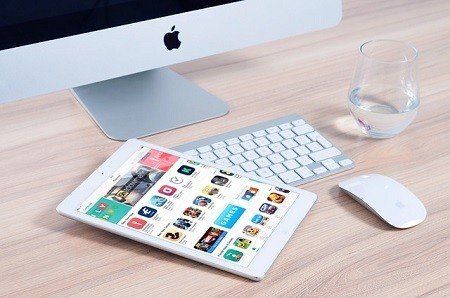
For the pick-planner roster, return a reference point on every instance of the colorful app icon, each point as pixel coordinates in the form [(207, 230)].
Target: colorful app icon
[(276, 198), (186, 170), (176, 180), (226, 173), (158, 201), (136, 223), (251, 230), (159, 160), (249, 193), (192, 212), (183, 223), (259, 219), (219, 180), (147, 212), (167, 190), (202, 201), (229, 216), (233, 255), (172, 235), (242, 243), (282, 190), (210, 240), (210, 190), (267, 208)]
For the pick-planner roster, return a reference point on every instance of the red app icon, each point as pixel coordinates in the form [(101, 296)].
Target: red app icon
[(167, 190), (136, 223)]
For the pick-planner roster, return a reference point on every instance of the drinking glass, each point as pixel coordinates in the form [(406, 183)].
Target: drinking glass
[(384, 93)]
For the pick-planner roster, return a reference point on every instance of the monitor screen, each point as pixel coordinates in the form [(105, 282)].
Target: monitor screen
[(25, 22)]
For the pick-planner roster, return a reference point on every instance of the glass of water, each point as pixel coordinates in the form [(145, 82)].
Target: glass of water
[(384, 93)]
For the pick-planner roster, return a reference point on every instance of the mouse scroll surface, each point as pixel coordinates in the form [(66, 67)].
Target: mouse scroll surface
[(387, 198)]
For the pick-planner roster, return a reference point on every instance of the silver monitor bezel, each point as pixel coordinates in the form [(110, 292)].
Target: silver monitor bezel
[(114, 52)]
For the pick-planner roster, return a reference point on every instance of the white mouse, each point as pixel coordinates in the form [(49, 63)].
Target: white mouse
[(387, 198)]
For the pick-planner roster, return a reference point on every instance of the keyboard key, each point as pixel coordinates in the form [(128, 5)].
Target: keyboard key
[(314, 146), (285, 126), (303, 129), (204, 149), (290, 177), (274, 137), (315, 136), (302, 140), (235, 149), (330, 164), (208, 156), (249, 166), (275, 158), (249, 145), (263, 151), (246, 137), (250, 155), (304, 172), (262, 162), (275, 180), (264, 172), (259, 133), (325, 154), (298, 122), (304, 160), (224, 162), (287, 134), (232, 141), (302, 150), (345, 162), (262, 141), (237, 159), (290, 143), (192, 152), (273, 129), (278, 168), (277, 147), (236, 169), (289, 154), (291, 164), (221, 153), (320, 170), (219, 145), (253, 174)]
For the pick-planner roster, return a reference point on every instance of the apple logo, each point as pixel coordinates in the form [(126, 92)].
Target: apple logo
[(171, 40)]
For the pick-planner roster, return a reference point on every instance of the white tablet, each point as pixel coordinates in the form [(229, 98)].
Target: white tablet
[(193, 208)]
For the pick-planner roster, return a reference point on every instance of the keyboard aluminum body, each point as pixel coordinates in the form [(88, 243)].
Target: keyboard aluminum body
[(286, 150)]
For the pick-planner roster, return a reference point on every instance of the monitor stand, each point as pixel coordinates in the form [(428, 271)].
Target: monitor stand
[(147, 103)]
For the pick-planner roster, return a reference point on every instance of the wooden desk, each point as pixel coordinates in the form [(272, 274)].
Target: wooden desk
[(49, 145)]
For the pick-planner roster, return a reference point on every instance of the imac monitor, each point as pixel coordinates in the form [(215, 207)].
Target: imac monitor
[(114, 54)]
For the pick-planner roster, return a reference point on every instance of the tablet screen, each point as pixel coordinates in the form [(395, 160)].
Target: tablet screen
[(185, 202)]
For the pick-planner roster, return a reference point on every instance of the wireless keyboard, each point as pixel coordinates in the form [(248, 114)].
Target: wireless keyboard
[(286, 150)]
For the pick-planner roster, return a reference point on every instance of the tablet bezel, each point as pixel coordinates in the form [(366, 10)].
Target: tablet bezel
[(258, 267)]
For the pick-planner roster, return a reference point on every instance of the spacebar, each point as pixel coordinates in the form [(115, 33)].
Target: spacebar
[(324, 154)]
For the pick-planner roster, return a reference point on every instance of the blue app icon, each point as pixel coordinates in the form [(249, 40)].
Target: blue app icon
[(257, 218), (147, 212), (229, 216), (158, 201)]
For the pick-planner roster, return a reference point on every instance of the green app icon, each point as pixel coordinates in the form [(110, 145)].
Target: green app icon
[(233, 255), (108, 210)]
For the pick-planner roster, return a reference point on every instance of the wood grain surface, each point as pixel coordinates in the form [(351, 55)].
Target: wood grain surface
[(49, 145)]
